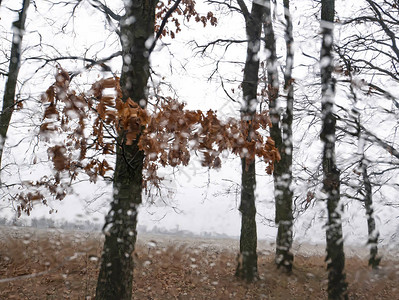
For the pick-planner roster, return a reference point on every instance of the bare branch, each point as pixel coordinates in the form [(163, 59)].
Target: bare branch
[(105, 9), (244, 10), (222, 42), (92, 62), (163, 24)]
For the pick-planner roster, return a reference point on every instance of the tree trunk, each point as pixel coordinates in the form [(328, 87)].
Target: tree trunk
[(373, 233), (15, 61), (337, 286), (116, 271), (283, 137), (248, 260)]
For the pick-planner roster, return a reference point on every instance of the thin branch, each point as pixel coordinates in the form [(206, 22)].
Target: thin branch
[(105, 9), (228, 5), (384, 26), (226, 92), (92, 62), (371, 137), (163, 24), (244, 10), (227, 42)]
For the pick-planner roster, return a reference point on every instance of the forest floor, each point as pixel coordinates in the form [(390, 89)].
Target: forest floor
[(57, 264)]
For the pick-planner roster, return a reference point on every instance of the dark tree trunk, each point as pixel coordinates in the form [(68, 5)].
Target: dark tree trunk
[(337, 286), (13, 70), (282, 135), (116, 272), (248, 260), (373, 233)]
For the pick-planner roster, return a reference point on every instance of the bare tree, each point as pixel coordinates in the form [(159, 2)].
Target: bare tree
[(337, 286), (248, 260), (365, 187), (281, 132), (9, 102), (369, 56)]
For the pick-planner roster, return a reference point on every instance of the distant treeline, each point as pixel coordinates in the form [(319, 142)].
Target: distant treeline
[(50, 223), (92, 226)]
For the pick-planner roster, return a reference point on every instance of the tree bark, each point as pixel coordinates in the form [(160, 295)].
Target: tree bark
[(13, 71), (282, 135), (248, 260), (116, 271), (373, 233), (337, 286)]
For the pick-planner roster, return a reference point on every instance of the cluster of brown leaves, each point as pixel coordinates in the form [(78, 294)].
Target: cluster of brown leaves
[(168, 136), (188, 11), (65, 106), (173, 133), (36, 193)]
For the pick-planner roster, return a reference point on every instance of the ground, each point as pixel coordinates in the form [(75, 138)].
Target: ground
[(57, 264)]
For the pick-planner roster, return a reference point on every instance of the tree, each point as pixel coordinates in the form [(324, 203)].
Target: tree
[(373, 233), (9, 102), (143, 143), (136, 34), (281, 132), (116, 272), (165, 138), (248, 260), (370, 79), (363, 163), (337, 286)]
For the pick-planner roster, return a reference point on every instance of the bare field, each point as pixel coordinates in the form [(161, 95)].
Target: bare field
[(55, 264)]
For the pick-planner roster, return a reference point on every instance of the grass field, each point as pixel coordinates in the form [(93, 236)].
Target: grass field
[(53, 264)]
